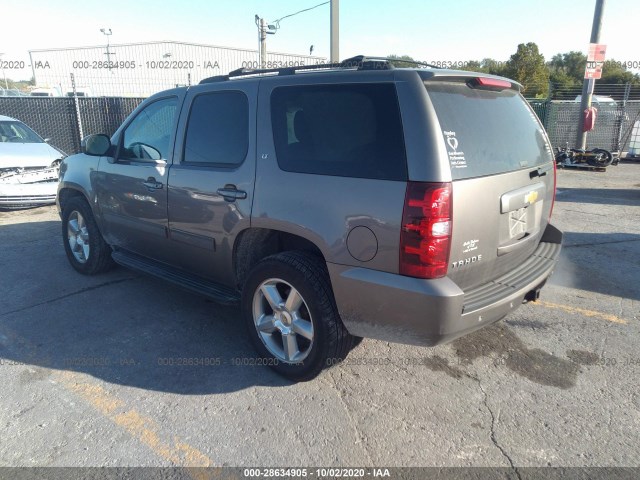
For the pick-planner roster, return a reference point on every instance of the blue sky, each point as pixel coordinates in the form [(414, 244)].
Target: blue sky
[(427, 30)]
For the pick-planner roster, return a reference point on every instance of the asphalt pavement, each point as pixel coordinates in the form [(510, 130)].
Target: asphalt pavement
[(124, 370)]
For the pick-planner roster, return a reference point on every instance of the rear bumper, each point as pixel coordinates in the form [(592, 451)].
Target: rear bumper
[(408, 310)]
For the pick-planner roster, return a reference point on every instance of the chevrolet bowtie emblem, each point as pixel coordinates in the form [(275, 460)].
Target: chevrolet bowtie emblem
[(531, 197)]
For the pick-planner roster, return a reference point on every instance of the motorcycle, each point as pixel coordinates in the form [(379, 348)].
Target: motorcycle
[(596, 157)]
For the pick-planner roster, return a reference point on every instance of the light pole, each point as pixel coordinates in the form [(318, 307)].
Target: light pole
[(107, 33)]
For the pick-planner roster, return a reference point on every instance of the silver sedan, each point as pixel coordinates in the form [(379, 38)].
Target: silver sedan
[(28, 166)]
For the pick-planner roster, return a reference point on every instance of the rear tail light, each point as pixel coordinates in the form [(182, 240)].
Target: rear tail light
[(425, 237)]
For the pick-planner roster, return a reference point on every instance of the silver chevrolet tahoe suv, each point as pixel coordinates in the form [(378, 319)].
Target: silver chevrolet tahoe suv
[(332, 202)]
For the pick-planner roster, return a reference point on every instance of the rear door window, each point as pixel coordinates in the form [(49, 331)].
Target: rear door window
[(218, 129), (487, 132), (351, 130)]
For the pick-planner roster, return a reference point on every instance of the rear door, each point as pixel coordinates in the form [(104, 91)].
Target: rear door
[(503, 181), (211, 181)]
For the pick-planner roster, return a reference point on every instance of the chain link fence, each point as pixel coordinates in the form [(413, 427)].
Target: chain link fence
[(57, 118), (618, 108), (614, 124)]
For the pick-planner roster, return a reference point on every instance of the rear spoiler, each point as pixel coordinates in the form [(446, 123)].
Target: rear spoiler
[(473, 79)]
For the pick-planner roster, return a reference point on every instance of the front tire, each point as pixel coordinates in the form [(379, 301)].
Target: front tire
[(291, 315), (86, 250)]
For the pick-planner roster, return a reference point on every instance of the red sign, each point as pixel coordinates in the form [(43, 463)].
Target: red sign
[(595, 60)]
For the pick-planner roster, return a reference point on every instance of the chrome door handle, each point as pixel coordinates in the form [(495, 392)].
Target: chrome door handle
[(152, 184), (230, 193)]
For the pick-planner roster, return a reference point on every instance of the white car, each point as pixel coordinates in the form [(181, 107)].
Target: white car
[(45, 92), (597, 100), (28, 166), (22, 148), (80, 92)]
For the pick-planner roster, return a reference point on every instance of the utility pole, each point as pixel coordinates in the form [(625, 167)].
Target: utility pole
[(335, 31), (263, 44), (263, 30), (589, 84)]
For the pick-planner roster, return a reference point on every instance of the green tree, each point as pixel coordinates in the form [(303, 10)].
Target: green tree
[(567, 68), (22, 85), (494, 67), (397, 61), (473, 66), (486, 65), (616, 72), (527, 66)]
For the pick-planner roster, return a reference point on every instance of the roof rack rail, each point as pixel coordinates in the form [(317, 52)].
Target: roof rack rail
[(359, 62)]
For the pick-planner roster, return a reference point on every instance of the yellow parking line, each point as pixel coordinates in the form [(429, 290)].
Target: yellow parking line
[(142, 428), (139, 426), (582, 311)]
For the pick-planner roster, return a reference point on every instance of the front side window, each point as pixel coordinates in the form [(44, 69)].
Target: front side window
[(147, 137), (349, 130), (218, 129)]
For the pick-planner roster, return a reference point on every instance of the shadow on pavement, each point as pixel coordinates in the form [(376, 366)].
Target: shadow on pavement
[(600, 196), (601, 263), (120, 327)]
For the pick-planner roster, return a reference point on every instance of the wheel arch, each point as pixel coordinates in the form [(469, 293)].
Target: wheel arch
[(254, 244), (66, 192)]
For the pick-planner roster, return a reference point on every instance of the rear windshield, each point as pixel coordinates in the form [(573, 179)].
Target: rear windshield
[(487, 132)]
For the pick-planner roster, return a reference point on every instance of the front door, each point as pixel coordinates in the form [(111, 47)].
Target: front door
[(131, 187)]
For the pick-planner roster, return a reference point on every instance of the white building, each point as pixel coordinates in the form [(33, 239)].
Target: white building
[(141, 69)]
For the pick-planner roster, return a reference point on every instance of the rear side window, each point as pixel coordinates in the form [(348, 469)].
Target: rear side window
[(344, 130), (487, 132), (218, 129)]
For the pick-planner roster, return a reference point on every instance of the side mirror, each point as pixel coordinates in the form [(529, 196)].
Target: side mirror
[(96, 145)]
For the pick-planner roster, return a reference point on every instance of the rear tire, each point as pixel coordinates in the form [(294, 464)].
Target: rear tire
[(291, 315), (604, 158), (86, 250)]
